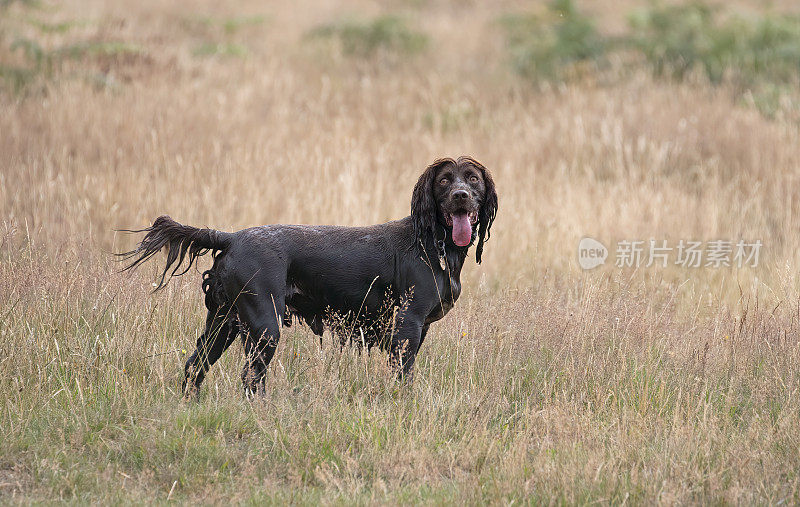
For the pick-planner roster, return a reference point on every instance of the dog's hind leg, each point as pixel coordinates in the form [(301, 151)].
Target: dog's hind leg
[(222, 327), (220, 333), (261, 316)]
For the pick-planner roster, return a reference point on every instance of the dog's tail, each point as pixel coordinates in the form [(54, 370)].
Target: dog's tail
[(180, 241)]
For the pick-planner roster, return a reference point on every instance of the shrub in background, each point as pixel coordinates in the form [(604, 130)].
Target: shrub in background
[(678, 39), (759, 56), (548, 46)]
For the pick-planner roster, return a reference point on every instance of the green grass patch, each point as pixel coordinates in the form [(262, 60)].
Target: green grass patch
[(219, 49), (56, 28), (37, 63), (366, 38), (229, 26)]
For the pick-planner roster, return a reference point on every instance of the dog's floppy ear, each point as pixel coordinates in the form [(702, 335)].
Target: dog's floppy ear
[(488, 209), (423, 204)]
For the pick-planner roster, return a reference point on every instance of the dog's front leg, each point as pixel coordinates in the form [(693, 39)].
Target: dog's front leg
[(404, 347)]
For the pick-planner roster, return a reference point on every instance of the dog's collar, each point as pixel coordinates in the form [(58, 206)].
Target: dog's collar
[(440, 251)]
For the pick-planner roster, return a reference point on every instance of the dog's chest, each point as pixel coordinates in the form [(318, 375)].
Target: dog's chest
[(449, 291)]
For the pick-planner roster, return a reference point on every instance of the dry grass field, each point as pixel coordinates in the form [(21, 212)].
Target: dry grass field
[(545, 384)]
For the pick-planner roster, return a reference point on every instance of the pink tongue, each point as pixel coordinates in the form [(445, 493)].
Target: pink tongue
[(462, 230)]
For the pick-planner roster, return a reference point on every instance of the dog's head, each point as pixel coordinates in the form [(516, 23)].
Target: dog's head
[(458, 195)]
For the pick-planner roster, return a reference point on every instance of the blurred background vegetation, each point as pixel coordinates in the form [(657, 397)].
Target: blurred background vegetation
[(756, 52)]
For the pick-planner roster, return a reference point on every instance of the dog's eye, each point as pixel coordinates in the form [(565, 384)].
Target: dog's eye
[(473, 179), (444, 181)]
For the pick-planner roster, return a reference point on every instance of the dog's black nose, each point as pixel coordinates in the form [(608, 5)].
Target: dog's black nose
[(460, 195)]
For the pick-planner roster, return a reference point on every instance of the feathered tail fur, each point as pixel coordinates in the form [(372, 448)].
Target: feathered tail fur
[(181, 240)]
